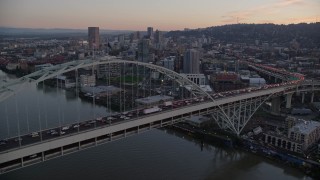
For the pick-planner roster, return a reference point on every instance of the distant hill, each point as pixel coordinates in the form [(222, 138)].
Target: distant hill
[(307, 35), (9, 31)]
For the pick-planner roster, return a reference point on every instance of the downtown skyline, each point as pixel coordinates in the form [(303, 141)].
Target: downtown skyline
[(165, 15)]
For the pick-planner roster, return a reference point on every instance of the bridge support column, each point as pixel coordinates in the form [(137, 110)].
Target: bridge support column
[(297, 91), (234, 116), (302, 99), (312, 97), (288, 100), (275, 105)]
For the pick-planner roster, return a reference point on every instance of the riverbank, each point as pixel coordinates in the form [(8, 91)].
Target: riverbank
[(230, 141)]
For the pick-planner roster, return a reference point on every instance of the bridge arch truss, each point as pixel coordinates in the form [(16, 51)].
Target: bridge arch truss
[(10, 88)]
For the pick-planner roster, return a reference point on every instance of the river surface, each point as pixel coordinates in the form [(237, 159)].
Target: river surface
[(157, 154)]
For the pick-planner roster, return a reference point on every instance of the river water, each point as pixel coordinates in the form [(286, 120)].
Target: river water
[(157, 154)]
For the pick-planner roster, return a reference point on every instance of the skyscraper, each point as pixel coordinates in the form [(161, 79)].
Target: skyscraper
[(191, 62), (143, 50), (150, 32), (121, 39), (158, 36), (93, 37)]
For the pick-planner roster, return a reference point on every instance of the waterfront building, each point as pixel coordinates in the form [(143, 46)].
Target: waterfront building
[(64, 82), (299, 135), (87, 80)]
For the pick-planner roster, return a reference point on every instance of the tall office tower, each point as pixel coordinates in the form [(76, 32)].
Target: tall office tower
[(150, 32), (143, 50), (158, 37), (191, 62), (121, 39), (93, 37), (138, 34)]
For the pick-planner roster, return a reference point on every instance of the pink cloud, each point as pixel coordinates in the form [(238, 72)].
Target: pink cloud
[(265, 10)]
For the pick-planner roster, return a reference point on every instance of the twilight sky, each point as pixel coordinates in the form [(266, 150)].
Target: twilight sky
[(161, 14)]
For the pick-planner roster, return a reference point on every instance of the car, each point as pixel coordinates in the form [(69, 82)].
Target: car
[(65, 128), (50, 131), (126, 118), (103, 121), (34, 134), (87, 124), (62, 132), (54, 133), (76, 126), (33, 156), (92, 122), (2, 142), (18, 139), (99, 118), (110, 118)]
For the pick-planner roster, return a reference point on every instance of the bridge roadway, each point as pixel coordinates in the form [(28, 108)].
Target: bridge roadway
[(11, 152)]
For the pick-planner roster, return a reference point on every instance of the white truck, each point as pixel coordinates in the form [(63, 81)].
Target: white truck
[(151, 110), (168, 103)]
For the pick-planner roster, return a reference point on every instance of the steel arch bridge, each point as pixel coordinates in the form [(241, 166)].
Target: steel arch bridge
[(233, 115), (231, 112), (10, 88)]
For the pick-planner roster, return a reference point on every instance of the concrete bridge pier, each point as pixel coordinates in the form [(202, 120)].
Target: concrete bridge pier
[(288, 100), (275, 105), (312, 97)]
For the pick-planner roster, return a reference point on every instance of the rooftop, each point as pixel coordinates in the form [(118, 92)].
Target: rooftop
[(306, 127), (226, 77)]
